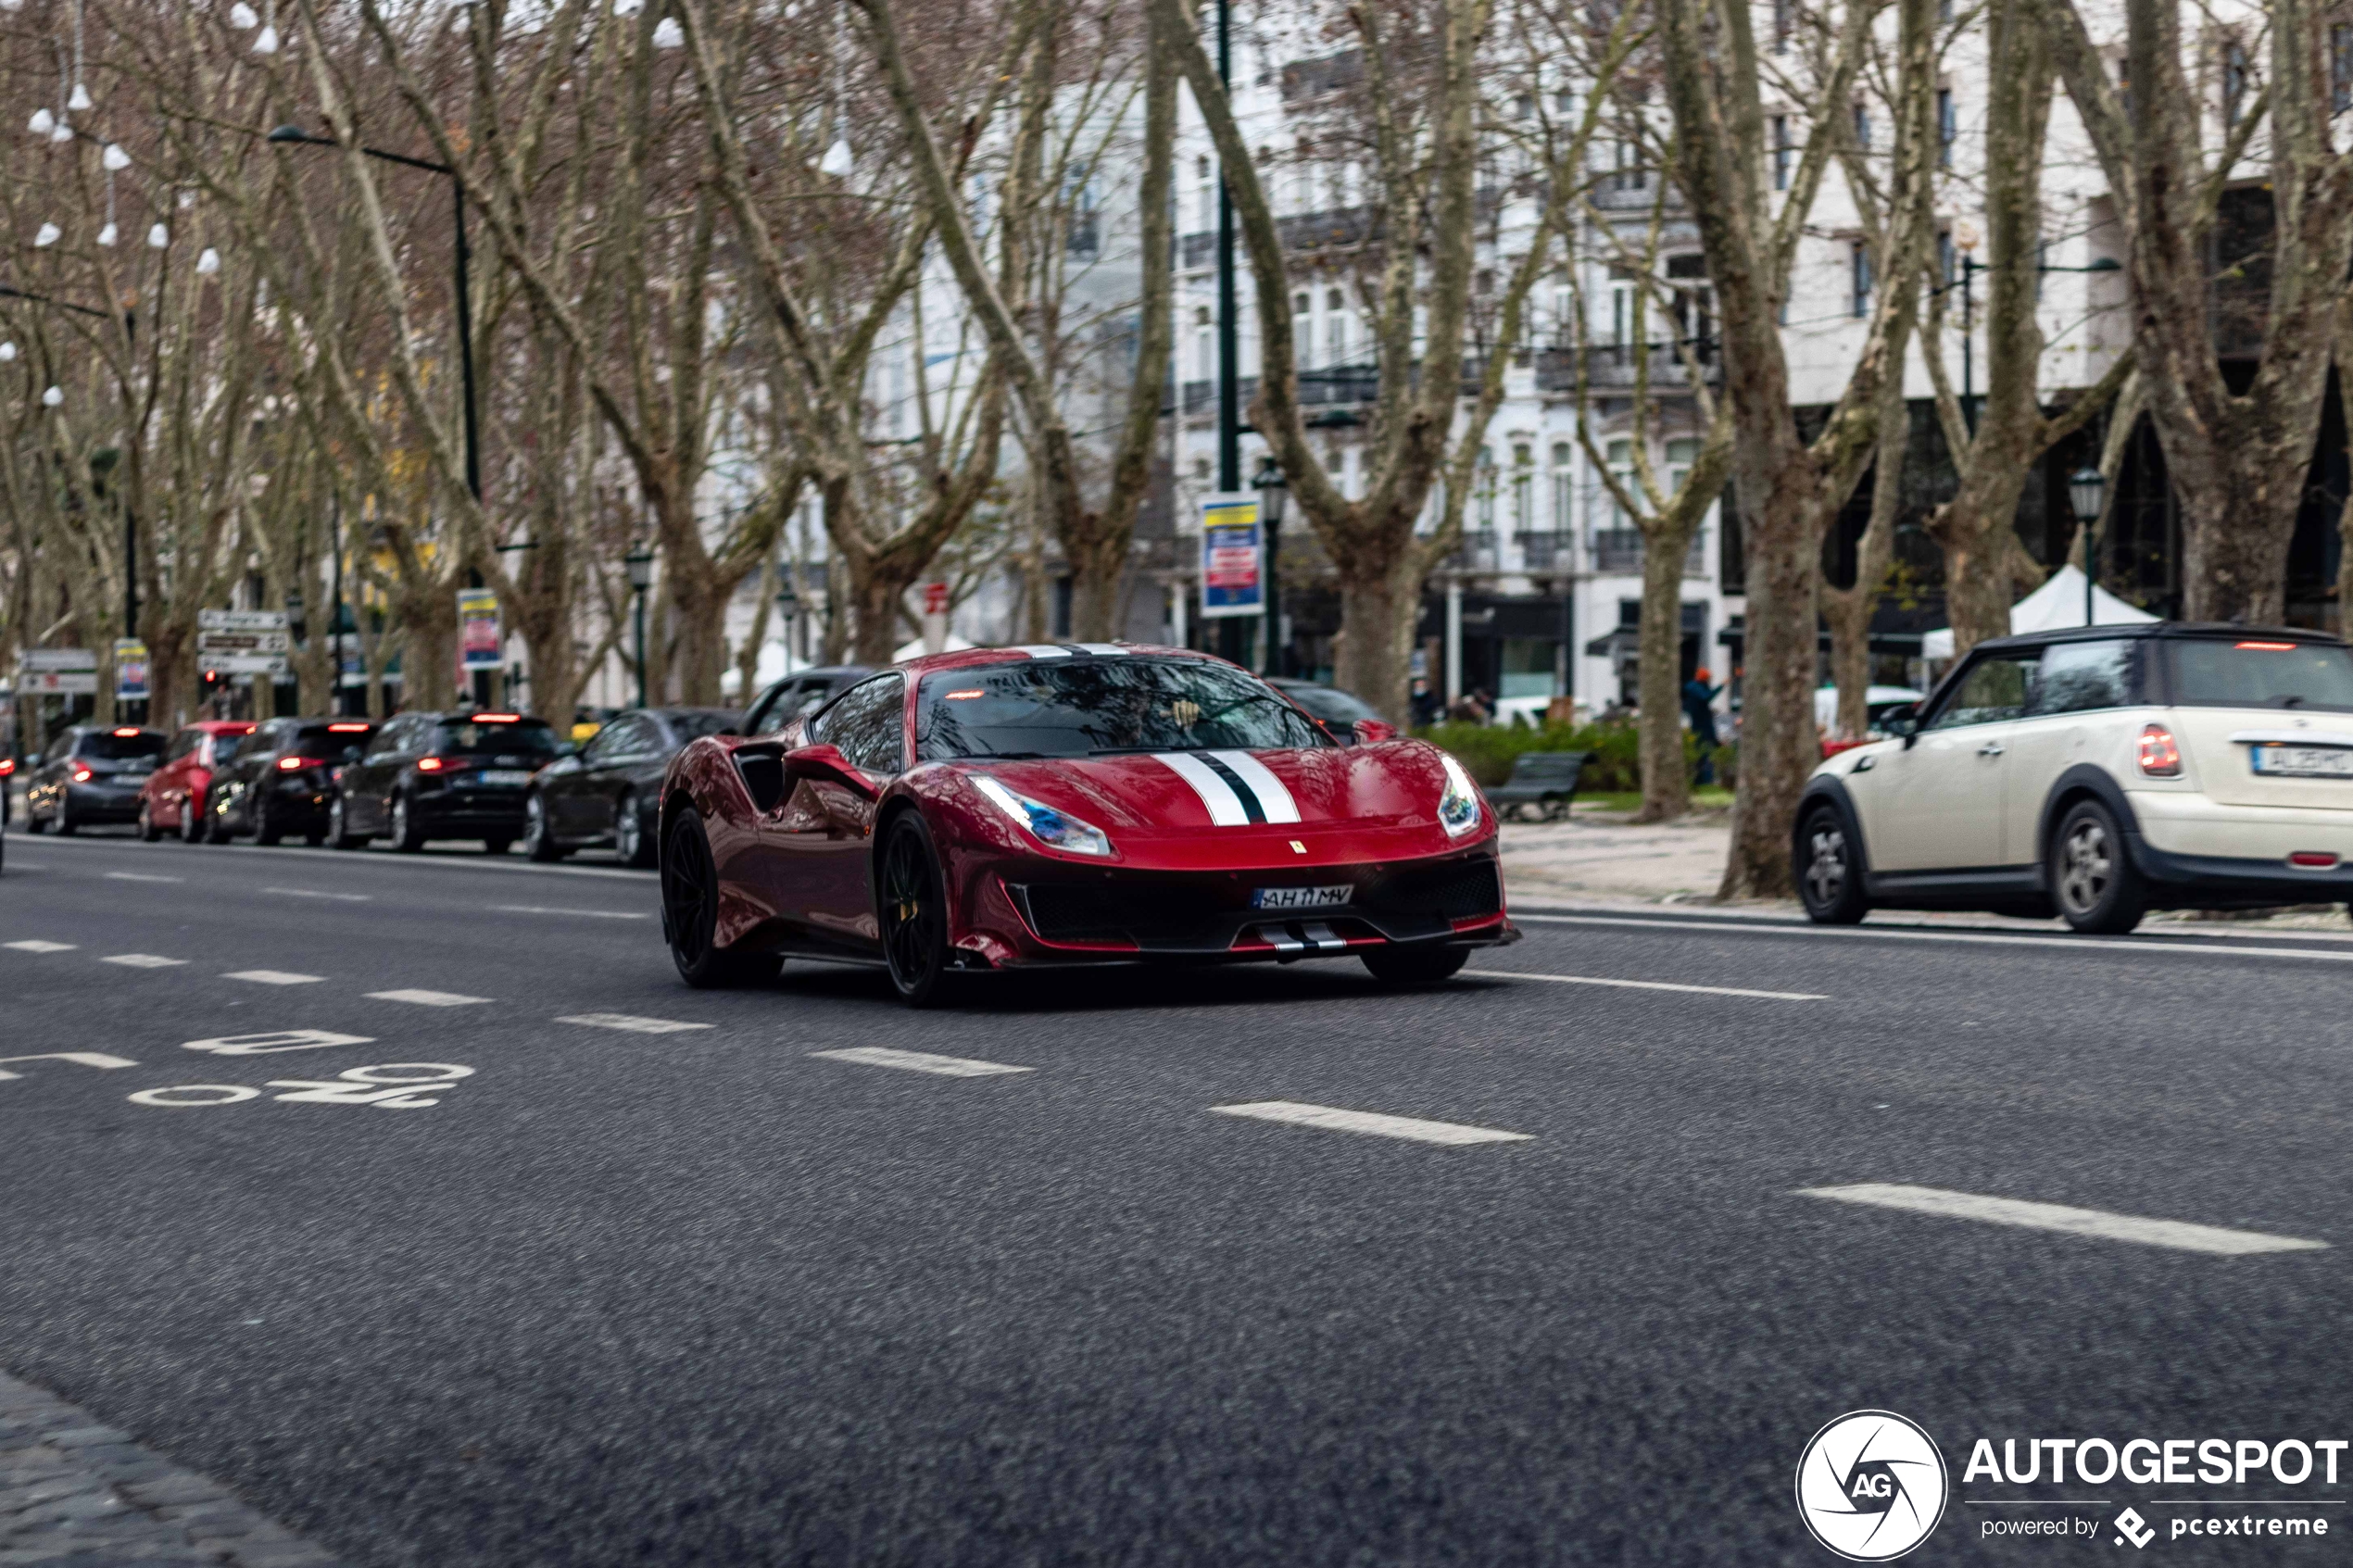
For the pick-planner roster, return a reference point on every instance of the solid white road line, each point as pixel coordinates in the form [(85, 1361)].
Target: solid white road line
[(468, 860), (623, 1022), (2175, 1234), (2024, 942), (1646, 984), (274, 977), (1378, 1125), (314, 893), (140, 876), (40, 947), (591, 914), (921, 1061), (426, 999), (144, 960)]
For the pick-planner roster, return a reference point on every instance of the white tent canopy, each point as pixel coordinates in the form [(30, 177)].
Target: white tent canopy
[(2057, 603)]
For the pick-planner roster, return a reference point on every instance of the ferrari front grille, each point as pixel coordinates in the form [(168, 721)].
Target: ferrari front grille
[(1451, 890)]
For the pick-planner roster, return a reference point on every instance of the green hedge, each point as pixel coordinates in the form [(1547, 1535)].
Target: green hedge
[(1488, 751)]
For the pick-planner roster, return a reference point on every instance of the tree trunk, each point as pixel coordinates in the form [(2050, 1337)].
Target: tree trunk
[(1666, 781), (1378, 605), (1777, 740), (1848, 610)]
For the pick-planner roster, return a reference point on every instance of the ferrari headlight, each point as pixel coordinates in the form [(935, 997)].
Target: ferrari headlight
[(1055, 830), (1458, 807)]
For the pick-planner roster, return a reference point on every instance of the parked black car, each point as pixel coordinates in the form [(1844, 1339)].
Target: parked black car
[(804, 691), (283, 779), (611, 791), (91, 775), (1335, 709), (441, 775)]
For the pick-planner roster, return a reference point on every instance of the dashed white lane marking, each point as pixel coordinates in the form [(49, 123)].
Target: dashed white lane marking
[(314, 893), (1647, 984), (2025, 942), (426, 999), (39, 947), (143, 960), (1410, 1127), (2175, 1234), (140, 876), (273, 977), (591, 914), (921, 1061), (628, 1024)]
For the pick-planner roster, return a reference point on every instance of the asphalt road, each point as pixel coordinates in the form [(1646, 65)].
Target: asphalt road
[(704, 1297)]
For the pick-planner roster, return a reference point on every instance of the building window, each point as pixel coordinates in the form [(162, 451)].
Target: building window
[(1781, 23), (1302, 329), (1862, 125), (1628, 175), (2340, 67), (1564, 501), (1485, 491), (2234, 77), (1205, 193), (1523, 487), (1948, 256), (1948, 126), (1336, 345), (1859, 270), (1205, 343), (1625, 309), (1783, 153)]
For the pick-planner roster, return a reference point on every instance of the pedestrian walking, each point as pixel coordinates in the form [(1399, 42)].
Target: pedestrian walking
[(1699, 699)]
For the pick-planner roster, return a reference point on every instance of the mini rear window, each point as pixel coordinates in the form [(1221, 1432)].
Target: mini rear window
[(2262, 673), (464, 738), (119, 748)]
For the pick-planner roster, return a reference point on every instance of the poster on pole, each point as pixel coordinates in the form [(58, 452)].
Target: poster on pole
[(130, 669), (480, 642), (1233, 579)]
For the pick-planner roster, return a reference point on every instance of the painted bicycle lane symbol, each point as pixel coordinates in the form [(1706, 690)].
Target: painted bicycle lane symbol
[(392, 1085)]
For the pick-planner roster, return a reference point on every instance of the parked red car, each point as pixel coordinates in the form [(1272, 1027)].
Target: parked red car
[(173, 800)]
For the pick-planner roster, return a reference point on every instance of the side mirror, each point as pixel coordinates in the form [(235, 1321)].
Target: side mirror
[(1372, 731), (1902, 722), (826, 764)]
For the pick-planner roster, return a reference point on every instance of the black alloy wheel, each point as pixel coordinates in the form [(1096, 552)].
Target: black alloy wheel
[(1830, 884), (339, 834), (910, 906), (2098, 888), (690, 912), (408, 835), (630, 839), (217, 828), (267, 829), (1414, 966)]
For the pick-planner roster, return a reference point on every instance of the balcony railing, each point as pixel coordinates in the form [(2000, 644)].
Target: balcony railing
[(1620, 551), (1610, 367)]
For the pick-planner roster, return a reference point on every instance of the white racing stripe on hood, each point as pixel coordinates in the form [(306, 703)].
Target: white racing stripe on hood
[(1042, 650), (1272, 799), (1224, 806)]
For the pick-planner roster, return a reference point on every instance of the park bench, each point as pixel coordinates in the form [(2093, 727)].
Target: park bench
[(1543, 779)]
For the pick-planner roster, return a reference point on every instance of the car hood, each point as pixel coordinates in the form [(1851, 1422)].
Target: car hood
[(1147, 795)]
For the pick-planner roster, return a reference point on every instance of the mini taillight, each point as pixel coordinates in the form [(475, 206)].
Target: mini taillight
[(429, 764), (2160, 758), (81, 775)]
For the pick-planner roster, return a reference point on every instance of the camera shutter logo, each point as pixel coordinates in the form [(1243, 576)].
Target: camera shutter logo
[(1872, 1485)]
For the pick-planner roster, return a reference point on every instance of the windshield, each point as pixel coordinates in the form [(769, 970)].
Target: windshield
[(465, 738), (121, 748), (2256, 674), (1083, 707), (338, 743)]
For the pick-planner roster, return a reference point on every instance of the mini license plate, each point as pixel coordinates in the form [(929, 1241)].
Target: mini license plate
[(505, 777), (1301, 897), (2303, 761)]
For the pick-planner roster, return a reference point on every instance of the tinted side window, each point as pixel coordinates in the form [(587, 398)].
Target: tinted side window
[(388, 740), (868, 724), (1993, 690), (183, 742), (2080, 677)]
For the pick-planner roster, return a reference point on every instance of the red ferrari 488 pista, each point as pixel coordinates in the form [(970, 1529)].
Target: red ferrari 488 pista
[(1012, 809)]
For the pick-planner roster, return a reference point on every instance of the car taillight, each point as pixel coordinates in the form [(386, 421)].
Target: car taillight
[(296, 764), (7, 765), (81, 775), (430, 764), (346, 729), (127, 734), (2312, 859), (2160, 758)]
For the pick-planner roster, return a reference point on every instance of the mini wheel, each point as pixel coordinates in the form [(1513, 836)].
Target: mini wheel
[(2098, 888), (1829, 876)]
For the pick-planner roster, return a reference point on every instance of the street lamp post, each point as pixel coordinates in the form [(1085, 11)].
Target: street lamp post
[(1273, 491), (2086, 489), (789, 606), (640, 564)]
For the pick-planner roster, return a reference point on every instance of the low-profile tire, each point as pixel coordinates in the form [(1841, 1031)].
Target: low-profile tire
[(911, 910), (407, 833), (67, 826), (630, 840), (32, 823), (338, 834), (315, 837), (191, 821), (149, 832), (2098, 888), (217, 829), (267, 829), (690, 912), (1414, 966), (497, 844), (1827, 868), (539, 833)]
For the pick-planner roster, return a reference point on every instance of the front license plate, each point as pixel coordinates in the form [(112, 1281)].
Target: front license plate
[(504, 778), (2303, 761), (1301, 897)]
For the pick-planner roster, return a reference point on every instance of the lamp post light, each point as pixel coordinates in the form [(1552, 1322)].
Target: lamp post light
[(2086, 490), (789, 606), (1273, 491), (640, 565)]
